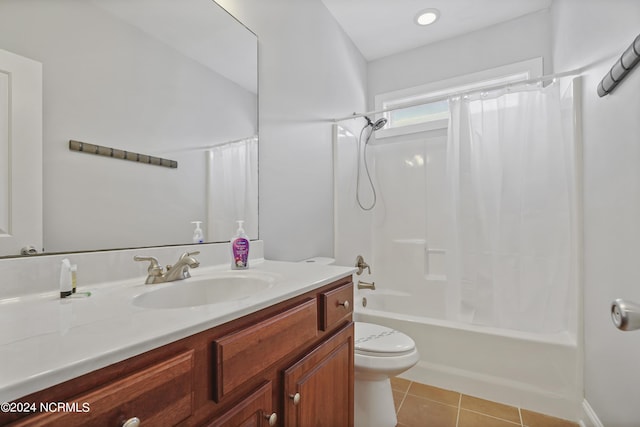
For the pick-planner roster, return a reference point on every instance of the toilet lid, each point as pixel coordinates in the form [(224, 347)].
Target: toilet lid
[(380, 340)]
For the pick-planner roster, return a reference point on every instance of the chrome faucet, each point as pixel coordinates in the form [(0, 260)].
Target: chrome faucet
[(178, 271)]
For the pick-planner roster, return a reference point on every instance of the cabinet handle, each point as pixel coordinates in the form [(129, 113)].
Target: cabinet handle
[(273, 419), (132, 422), (295, 398), (344, 304)]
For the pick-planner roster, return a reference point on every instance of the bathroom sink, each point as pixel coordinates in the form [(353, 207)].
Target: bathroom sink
[(198, 291)]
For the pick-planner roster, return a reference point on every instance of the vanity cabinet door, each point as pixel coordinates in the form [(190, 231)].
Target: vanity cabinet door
[(318, 389), (254, 410), (160, 395)]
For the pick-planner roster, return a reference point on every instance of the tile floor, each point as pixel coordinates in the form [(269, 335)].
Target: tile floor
[(420, 405)]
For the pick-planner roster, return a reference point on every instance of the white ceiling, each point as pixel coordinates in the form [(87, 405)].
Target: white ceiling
[(383, 27)]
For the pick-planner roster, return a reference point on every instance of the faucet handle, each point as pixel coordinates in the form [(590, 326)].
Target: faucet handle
[(154, 267), (361, 264), (186, 254)]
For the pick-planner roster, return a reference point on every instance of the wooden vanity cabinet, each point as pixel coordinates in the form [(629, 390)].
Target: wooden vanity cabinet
[(315, 386), (318, 389), (335, 304), (160, 394), (250, 412), (242, 354), (290, 364)]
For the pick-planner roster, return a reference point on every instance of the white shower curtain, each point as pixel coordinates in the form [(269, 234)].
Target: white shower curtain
[(232, 189), (511, 255)]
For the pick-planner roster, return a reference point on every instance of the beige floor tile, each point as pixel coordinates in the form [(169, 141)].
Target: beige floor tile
[(400, 384), (498, 410), (434, 393), (420, 405), (474, 419), (420, 412), (398, 397), (533, 419)]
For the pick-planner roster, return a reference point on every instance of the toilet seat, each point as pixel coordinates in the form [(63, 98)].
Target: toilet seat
[(380, 341)]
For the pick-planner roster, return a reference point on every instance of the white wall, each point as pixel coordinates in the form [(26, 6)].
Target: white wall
[(593, 34), (517, 40), (310, 73)]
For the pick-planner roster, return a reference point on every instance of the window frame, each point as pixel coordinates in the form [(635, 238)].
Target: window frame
[(519, 71)]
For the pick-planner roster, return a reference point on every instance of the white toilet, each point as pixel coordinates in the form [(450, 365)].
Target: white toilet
[(380, 353)]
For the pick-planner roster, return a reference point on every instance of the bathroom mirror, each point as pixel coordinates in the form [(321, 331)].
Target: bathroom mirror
[(164, 78)]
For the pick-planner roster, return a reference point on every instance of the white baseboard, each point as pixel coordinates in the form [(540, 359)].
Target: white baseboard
[(589, 417)]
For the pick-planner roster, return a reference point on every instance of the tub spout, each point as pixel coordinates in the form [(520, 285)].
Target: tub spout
[(366, 285)]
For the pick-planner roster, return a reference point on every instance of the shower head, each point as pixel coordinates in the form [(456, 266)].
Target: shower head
[(377, 125)]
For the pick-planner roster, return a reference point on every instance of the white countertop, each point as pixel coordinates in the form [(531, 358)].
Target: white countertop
[(45, 340)]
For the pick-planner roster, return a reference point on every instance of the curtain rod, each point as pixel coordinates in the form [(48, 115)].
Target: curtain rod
[(203, 147), (467, 92)]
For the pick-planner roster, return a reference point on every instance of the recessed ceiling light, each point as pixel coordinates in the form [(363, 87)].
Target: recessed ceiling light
[(427, 16)]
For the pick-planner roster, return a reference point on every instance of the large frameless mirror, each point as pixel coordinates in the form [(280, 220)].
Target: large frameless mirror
[(166, 79)]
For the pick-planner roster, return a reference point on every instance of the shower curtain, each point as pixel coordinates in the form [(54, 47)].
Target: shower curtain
[(511, 255), (232, 189)]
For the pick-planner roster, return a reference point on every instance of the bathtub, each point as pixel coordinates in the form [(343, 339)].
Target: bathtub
[(531, 371)]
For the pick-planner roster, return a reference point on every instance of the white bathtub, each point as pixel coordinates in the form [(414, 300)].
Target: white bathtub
[(531, 371)]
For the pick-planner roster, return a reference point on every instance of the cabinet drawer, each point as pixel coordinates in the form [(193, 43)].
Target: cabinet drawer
[(247, 352), (335, 305), (160, 395)]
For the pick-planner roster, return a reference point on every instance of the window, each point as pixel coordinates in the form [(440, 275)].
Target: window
[(428, 111), (425, 113)]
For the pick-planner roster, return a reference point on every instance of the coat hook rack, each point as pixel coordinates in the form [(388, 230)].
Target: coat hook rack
[(620, 69), (100, 150)]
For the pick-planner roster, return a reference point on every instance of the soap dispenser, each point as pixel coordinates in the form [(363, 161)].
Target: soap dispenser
[(198, 235), (240, 249)]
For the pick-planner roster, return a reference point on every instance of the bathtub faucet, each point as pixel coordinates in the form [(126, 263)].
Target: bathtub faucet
[(366, 285), (361, 264)]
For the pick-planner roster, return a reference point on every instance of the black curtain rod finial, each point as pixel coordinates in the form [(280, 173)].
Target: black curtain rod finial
[(629, 59)]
